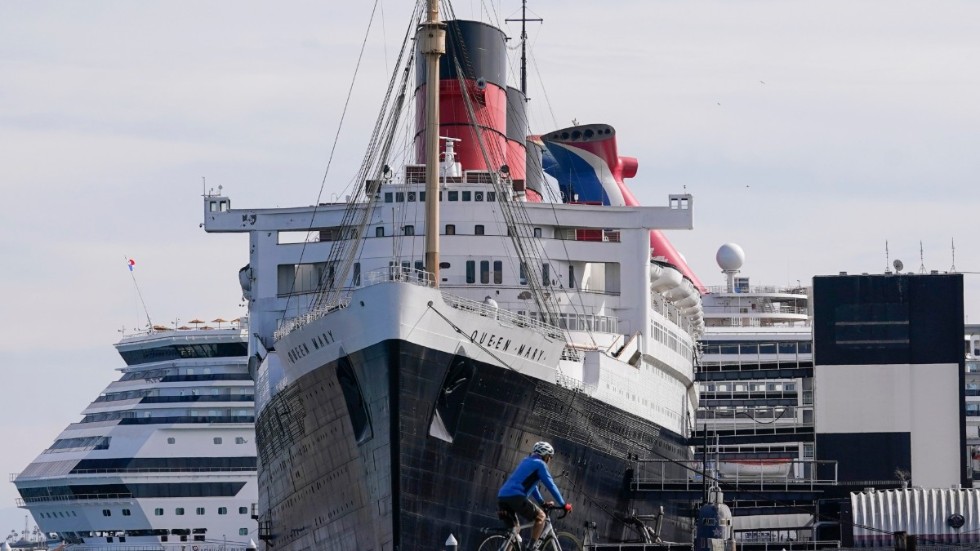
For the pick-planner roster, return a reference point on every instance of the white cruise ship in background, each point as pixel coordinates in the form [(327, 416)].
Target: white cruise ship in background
[(164, 458)]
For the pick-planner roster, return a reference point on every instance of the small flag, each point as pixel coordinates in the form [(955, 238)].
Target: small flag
[(131, 264)]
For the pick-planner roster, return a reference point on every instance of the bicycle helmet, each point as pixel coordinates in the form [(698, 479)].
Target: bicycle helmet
[(543, 449)]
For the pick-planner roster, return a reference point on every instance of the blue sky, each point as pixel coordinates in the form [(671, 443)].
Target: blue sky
[(809, 133)]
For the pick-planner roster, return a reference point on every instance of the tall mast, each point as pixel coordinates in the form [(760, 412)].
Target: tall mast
[(432, 37), (524, 21)]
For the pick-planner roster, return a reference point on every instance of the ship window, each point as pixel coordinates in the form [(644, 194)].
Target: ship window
[(498, 272), (537, 232), (399, 196), (179, 511), (171, 440), (200, 510), (484, 271), (158, 511), (411, 196), (239, 440), (478, 196), (491, 196), (450, 229), (357, 274), (222, 510), (523, 274), (409, 229), (471, 271), (106, 513), (546, 273), (571, 276), (379, 231), (126, 512), (388, 197), (422, 196), (243, 510), (454, 196), (217, 439), (478, 230), (466, 195), (243, 531)]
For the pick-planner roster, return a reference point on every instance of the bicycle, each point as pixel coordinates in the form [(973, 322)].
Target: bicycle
[(551, 540)]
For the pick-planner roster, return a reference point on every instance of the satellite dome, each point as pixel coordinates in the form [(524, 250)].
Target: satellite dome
[(730, 257)]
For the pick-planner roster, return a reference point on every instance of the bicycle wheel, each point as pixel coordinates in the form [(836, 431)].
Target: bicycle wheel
[(497, 542), (562, 541)]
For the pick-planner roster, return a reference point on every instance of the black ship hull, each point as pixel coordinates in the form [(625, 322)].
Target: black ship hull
[(397, 446)]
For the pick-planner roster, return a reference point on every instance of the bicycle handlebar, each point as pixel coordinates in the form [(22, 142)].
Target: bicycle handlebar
[(549, 508)]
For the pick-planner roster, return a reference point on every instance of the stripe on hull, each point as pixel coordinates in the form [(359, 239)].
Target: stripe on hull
[(337, 479)]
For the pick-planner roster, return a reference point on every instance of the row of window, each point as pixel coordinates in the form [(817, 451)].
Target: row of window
[(754, 387), (755, 348), (452, 196), (217, 440), (179, 351), (166, 415)]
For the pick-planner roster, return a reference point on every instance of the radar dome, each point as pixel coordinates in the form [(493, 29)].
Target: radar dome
[(730, 257)]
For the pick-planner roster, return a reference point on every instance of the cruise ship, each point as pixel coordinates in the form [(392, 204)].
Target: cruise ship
[(164, 458), (413, 343)]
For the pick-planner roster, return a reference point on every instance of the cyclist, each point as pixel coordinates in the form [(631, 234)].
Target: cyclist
[(514, 495)]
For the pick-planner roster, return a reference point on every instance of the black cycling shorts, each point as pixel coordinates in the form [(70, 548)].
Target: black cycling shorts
[(520, 505)]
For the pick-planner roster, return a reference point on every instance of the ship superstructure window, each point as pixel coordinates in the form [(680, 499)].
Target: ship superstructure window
[(471, 271), (389, 197), (243, 531), (399, 196), (478, 196), (450, 229), (546, 273), (126, 512), (484, 271), (454, 196), (409, 229), (239, 440), (356, 278), (222, 510), (491, 196), (478, 230), (379, 231), (411, 196), (179, 511), (523, 274), (537, 232), (200, 510), (217, 439), (243, 510), (466, 195), (571, 276), (158, 511), (498, 272), (106, 513)]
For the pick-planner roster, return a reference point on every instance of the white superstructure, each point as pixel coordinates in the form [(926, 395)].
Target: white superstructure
[(164, 458)]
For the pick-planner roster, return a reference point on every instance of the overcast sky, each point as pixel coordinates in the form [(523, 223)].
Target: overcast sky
[(809, 133)]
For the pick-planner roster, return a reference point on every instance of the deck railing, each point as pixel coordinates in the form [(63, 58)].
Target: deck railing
[(791, 474)]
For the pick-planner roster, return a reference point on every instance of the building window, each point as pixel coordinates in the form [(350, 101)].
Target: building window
[(200, 510), (498, 272), (466, 195), (484, 271), (409, 230), (179, 511), (158, 511), (471, 271), (217, 439), (243, 531), (537, 232), (379, 231), (454, 196), (478, 230), (450, 229), (171, 440), (222, 510), (243, 510)]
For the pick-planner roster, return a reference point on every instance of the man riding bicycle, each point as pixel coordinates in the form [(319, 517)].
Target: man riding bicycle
[(514, 495)]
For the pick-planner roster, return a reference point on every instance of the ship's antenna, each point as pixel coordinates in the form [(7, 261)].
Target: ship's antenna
[(922, 261), (952, 242), (524, 21), (132, 273), (888, 268)]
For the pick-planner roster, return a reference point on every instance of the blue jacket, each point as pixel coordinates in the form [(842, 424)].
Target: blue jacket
[(524, 481)]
